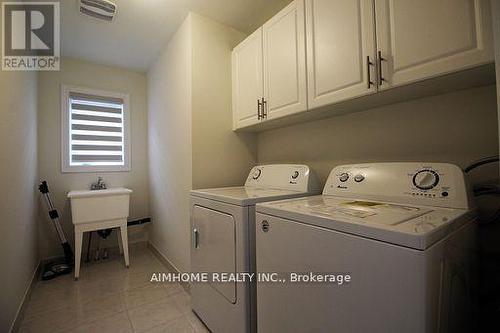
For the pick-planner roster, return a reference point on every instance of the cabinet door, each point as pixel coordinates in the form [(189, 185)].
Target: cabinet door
[(248, 86), (340, 50), (285, 87), (426, 38)]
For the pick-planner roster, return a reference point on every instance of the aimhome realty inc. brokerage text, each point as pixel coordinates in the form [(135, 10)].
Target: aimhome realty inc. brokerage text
[(273, 277)]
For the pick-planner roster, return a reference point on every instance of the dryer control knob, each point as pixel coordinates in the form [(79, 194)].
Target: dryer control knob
[(344, 177), (265, 226), (359, 178), (426, 179), (256, 173)]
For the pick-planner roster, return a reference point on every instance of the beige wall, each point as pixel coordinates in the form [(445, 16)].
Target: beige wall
[(221, 157), (85, 74), (169, 105), (457, 127), (18, 196), (191, 141)]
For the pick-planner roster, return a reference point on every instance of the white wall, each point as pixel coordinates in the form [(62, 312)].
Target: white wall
[(18, 195), (457, 127), (169, 105), (85, 74), (221, 157), (191, 141)]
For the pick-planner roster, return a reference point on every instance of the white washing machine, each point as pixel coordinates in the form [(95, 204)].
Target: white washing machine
[(403, 232), (223, 241)]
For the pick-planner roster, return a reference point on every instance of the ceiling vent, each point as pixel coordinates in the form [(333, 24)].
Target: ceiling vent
[(99, 9)]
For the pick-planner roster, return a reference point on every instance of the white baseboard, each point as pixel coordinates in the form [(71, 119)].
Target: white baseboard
[(165, 261), (16, 324)]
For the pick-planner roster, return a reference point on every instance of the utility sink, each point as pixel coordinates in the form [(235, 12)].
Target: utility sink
[(96, 210), (100, 205)]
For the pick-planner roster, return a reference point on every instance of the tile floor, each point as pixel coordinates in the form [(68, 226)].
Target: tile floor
[(110, 298)]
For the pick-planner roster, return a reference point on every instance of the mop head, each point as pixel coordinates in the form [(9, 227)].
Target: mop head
[(55, 269)]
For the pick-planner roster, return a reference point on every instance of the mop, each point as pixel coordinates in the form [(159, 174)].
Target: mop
[(64, 266)]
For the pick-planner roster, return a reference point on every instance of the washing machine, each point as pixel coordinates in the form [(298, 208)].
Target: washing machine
[(223, 241), (387, 247)]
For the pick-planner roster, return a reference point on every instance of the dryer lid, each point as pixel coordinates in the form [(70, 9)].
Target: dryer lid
[(245, 196)]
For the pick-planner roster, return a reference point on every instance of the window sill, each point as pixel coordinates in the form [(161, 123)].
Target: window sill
[(93, 169)]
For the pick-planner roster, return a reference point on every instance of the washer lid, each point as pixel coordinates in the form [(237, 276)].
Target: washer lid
[(411, 226), (245, 196)]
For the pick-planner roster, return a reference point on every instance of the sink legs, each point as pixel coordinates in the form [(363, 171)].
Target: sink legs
[(123, 231), (119, 238), (78, 251), (85, 227)]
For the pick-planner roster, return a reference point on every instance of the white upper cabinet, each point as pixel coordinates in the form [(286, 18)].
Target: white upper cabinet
[(354, 48), (341, 52), (248, 86), (426, 38), (285, 87)]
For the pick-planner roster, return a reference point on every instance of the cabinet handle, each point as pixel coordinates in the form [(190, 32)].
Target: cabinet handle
[(368, 70), (259, 104), (264, 108), (381, 79), (196, 235)]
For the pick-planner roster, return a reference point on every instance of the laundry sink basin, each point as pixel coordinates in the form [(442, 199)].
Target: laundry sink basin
[(96, 210), (100, 205)]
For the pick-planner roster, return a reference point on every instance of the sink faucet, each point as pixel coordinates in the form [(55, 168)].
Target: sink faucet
[(99, 185)]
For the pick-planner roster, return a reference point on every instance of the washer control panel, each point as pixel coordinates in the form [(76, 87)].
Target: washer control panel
[(436, 184), (283, 176)]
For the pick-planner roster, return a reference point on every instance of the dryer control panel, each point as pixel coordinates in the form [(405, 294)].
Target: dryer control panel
[(433, 184), (283, 176)]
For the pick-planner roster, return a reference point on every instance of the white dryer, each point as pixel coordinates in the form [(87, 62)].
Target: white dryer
[(223, 241), (403, 232)]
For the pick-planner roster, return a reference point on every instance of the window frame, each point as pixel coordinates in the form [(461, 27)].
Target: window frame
[(66, 90)]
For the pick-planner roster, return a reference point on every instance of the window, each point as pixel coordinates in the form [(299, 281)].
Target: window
[(95, 131)]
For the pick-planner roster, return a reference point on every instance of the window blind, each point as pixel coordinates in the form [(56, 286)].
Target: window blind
[(96, 130)]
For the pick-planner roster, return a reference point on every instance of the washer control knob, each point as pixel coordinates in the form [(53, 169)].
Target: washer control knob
[(426, 179), (295, 175), (256, 173), (344, 177), (359, 178)]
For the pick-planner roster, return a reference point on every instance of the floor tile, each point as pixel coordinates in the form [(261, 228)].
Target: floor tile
[(80, 292), (73, 315), (118, 323), (50, 301), (197, 324), (144, 295), (153, 314), (109, 298), (183, 301), (57, 321), (103, 268), (100, 308), (179, 325)]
